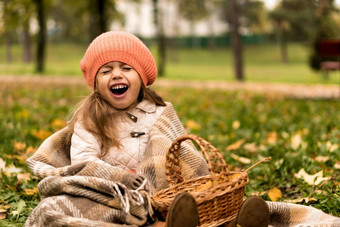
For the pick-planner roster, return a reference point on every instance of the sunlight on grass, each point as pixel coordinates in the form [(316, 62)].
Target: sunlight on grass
[(262, 64)]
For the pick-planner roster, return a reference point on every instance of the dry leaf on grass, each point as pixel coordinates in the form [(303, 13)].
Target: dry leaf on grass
[(311, 179), (241, 159), (275, 194), (31, 191), (235, 145)]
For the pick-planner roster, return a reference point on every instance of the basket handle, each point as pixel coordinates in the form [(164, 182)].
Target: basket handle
[(215, 160)]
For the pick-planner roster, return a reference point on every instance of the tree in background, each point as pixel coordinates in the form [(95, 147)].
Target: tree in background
[(41, 37), (248, 15), (294, 21), (10, 18), (236, 42), (193, 11), (160, 37)]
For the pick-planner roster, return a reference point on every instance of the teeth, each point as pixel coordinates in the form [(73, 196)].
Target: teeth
[(120, 86)]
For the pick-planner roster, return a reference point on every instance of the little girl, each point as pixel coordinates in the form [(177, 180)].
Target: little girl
[(113, 124)]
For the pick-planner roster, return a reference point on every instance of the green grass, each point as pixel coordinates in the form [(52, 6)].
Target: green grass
[(266, 124), (262, 64)]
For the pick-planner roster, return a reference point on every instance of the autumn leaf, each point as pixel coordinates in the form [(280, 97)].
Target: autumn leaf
[(192, 125), (296, 141), (275, 194), (31, 191), (12, 169), (236, 124), (337, 165), (321, 158), (2, 164), (272, 138), (235, 145), (251, 147), (19, 146), (3, 214), (241, 159), (41, 134), (31, 150), (331, 147), (311, 179), (300, 200), (58, 123), (22, 177)]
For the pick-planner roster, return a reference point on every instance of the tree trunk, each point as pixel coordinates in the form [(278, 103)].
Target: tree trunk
[(9, 57), (27, 53), (283, 48), (236, 40), (98, 18), (160, 38), (41, 46)]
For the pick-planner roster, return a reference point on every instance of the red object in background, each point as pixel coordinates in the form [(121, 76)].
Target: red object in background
[(329, 48)]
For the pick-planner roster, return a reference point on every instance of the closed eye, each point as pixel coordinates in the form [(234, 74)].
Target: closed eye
[(106, 71), (127, 68)]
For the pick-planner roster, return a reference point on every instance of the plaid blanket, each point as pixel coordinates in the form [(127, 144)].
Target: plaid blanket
[(288, 214), (92, 194)]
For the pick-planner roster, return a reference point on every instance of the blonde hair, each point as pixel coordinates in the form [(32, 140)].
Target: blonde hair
[(97, 116)]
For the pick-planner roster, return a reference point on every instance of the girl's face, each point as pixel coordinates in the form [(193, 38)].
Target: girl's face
[(119, 84)]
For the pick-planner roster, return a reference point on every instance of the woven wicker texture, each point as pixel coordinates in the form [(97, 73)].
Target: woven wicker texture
[(218, 196)]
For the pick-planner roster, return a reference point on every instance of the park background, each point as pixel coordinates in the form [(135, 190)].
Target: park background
[(221, 51)]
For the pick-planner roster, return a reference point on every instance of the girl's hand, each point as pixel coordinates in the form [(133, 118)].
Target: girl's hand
[(132, 180)]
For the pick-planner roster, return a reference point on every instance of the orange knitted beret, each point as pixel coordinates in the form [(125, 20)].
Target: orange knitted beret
[(118, 46)]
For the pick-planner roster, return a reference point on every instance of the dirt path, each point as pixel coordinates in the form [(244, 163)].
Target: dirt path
[(288, 90)]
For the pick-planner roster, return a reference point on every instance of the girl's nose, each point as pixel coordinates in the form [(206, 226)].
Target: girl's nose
[(116, 73)]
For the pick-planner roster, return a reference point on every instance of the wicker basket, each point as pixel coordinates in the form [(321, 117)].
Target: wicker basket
[(218, 196)]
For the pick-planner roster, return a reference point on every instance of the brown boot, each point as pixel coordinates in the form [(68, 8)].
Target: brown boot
[(254, 212), (183, 212)]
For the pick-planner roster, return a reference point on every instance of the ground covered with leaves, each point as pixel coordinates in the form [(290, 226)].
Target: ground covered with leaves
[(301, 136)]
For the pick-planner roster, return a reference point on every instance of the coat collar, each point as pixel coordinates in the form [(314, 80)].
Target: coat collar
[(146, 106)]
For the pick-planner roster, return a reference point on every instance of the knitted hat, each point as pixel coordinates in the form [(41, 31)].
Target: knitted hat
[(118, 46)]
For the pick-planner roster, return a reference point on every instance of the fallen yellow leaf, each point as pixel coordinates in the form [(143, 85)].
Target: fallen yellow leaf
[(241, 159), (3, 214), (31, 191), (58, 123), (331, 147), (19, 146), (41, 134), (2, 164), (300, 200), (272, 138), (236, 124), (296, 140), (275, 194), (191, 124), (311, 179), (251, 147), (321, 158), (31, 150), (235, 145), (23, 176)]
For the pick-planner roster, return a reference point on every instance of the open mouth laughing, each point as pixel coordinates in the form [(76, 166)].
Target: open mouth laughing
[(119, 89)]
